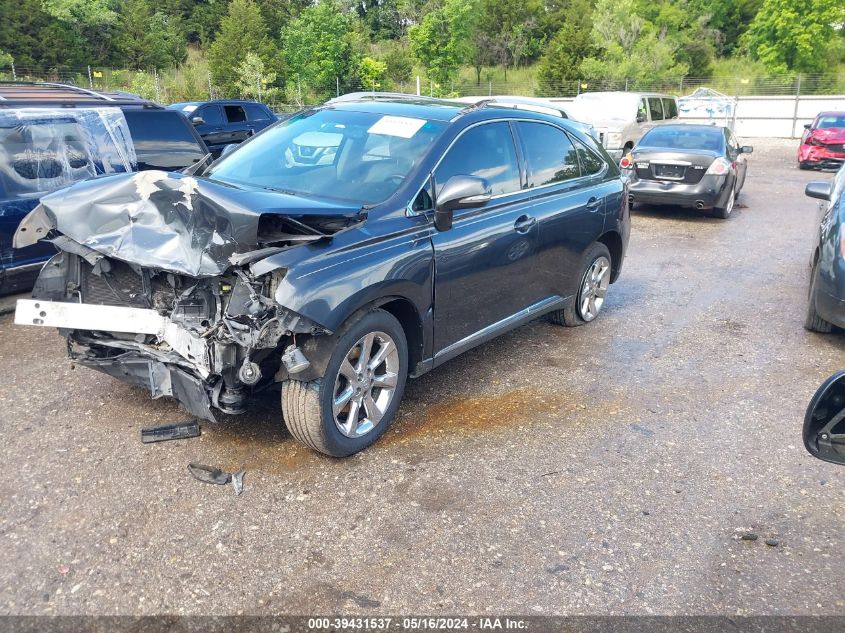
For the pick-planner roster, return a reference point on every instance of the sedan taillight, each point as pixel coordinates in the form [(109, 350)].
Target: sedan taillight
[(719, 167)]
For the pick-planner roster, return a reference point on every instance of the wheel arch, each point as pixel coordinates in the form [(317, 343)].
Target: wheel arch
[(613, 241)]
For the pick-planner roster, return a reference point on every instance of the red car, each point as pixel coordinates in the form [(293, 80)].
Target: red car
[(823, 142)]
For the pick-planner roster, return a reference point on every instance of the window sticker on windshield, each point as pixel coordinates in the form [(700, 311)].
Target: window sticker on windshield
[(404, 127)]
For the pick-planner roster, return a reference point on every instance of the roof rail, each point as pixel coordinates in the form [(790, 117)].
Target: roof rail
[(356, 96), (82, 90)]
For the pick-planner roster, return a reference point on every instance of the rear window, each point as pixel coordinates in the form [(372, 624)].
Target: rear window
[(692, 138), (549, 153), (234, 113), (257, 112), (162, 139), (670, 109)]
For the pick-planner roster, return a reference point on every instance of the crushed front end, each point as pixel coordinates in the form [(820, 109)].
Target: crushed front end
[(153, 284), (208, 343)]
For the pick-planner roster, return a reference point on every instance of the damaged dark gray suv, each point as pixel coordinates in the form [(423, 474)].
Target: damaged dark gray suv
[(334, 254)]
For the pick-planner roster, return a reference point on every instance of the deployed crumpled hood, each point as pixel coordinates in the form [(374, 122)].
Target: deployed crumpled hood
[(829, 135), (170, 221)]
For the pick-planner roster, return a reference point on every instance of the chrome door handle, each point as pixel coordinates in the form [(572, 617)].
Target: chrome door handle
[(524, 223), (593, 203)]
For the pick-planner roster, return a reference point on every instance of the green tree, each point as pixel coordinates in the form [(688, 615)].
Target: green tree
[(381, 17), (94, 21), (572, 43), (150, 40), (317, 46), (630, 47), (242, 31), (253, 79), (515, 26), (796, 35), (371, 72), (442, 41), (399, 61), (5, 59)]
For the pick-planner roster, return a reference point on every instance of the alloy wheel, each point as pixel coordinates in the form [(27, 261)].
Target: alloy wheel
[(594, 288), (365, 384)]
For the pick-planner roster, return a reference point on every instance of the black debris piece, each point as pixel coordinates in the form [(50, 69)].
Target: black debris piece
[(209, 474), (178, 431)]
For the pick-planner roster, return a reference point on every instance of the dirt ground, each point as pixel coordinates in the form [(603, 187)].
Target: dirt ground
[(607, 469)]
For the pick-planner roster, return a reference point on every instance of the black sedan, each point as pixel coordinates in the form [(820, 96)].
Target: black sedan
[(700, 166), (826, 300)]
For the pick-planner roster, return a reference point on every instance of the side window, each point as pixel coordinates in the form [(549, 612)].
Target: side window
[(656, 107), (423, 201), (642, 111), (256, 112), (162, 139), (591, 164), (670, 108), (549, 154), (486, 151), (210, 114), (235, 113)]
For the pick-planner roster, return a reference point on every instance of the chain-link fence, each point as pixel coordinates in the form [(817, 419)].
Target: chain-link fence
[(197, 83)]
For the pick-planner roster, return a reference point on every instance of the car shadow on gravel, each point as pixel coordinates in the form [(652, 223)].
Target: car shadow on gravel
[(684, 214)]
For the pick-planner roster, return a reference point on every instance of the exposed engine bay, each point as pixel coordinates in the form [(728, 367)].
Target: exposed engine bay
[(152, 285)]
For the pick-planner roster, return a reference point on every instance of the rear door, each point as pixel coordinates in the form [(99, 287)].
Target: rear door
[(485, 264), (236, 123), (568, 202)]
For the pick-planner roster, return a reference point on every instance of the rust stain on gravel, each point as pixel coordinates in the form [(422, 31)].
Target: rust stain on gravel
[(482, 413)]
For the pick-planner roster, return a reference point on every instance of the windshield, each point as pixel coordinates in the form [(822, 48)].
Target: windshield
[(691, 138), (601, 107), (357, 157), (831, 120)]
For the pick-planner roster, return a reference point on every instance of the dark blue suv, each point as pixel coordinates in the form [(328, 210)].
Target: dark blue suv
[(221, 123), (52, 136), (333, 256)]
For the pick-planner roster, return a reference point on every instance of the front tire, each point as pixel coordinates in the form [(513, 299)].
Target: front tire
[(594, 281), (356, 400)]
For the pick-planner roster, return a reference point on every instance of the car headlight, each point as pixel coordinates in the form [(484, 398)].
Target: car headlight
[(613, 139)]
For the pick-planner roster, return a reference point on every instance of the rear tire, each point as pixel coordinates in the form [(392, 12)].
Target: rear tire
[(813, 322), (594, 280), (725, 212), (365, 378)]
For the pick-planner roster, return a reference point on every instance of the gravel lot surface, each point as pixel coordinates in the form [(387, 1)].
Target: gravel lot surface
[(607, 469)]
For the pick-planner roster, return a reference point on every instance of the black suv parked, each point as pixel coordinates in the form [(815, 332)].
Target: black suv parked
[(423, 229), (53, 135), (221, 123)]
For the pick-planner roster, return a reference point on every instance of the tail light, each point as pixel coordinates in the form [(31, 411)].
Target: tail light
[(627, 161), (719, 167)]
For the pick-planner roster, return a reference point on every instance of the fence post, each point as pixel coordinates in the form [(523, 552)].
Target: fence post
[(258, 81), (418, 85), (298, 92), (578, 88), (14, 76), (490, 88), (90, 81), (158, 89), (795, 110), (626, 84), (337, 86)]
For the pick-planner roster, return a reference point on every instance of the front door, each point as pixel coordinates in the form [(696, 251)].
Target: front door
[(484, 263)]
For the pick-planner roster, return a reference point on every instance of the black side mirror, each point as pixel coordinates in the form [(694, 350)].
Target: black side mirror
[(807, 126), (746, 149), (818, 189), (197, 120), (641, 118), (459, 192), (824, 429)]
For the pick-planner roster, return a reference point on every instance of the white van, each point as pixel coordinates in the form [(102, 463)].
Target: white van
[(619, 119)]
